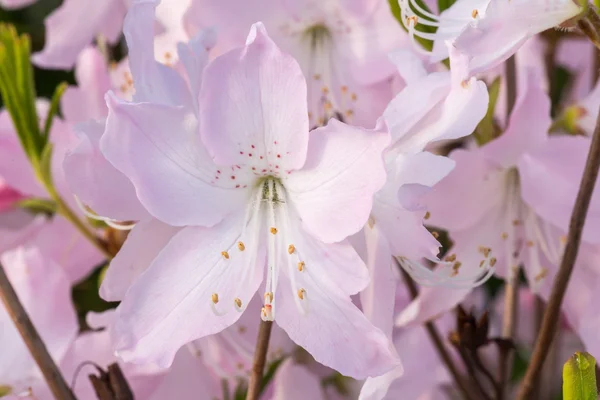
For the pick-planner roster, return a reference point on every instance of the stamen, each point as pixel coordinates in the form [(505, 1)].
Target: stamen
[(225, 254), (301, 293), (213, 305), (301, 266), (215, 298), (237, 303), (427, 215), (241, 246), (474, 13), (268, 297), (291, 249), (273, 230)]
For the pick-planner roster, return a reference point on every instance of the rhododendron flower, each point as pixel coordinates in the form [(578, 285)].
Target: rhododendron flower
[(486, 31), (522, 188), (273, 196), (341, 46), (12, 4)]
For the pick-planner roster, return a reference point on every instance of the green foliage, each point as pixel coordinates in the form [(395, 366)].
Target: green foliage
[(37, 205), (5, 390), (486, 129), (395, 7), (86, 297), (444, 5), (579, 377)]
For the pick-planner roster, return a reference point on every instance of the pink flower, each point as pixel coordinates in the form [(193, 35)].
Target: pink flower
[(274, 196), (13, 4), (341, 46), (487, 32), (521, 189)]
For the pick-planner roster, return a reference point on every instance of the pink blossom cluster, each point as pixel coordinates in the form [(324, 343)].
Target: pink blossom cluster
[(299, 162)]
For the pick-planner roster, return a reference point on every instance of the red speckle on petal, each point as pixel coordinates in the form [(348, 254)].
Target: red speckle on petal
[(261, 157), (249, 154), (278, 155), (277, 166), (275, 142), (253, 168), (241, 152), (252, 146), (237, 186), (232, 176), (264, 170), (218, 172)]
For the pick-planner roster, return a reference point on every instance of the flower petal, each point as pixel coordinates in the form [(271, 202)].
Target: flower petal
[(157, 147), (253, 106), (332, 329), (333, 193), (151, 235), (96, 181), (68, 31), (172, 302)]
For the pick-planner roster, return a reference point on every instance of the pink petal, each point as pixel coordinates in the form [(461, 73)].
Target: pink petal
[(86, 101), (96, 182), (333, 192), (170, 304), (550, 178), (528, 125), (253, 105), (13, 4), (74, 25), (137, 133), (151, 235), (332, 329), (295, 382)]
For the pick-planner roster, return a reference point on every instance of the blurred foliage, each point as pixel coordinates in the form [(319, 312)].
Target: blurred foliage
[(86, 297), (579, 377)]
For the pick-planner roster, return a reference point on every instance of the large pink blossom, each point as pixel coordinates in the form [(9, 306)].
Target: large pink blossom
[(341, 46)]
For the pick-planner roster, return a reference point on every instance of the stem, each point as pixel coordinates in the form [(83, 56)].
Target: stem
[(437, 340), (511, 300), (32, 339), (511, 85), (260, 358), (473, 373), (561, 280), (63, 209)]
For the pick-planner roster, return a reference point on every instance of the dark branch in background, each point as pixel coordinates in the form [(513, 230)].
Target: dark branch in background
[(561, 280), (111, 384), (437, 340), (260, 359), (511, 289), (32, 339)]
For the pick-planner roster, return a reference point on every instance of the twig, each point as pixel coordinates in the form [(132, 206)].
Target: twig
[(561, 280), (32, 339), (538, 314), (260, 358), (468, 362), (111, 385), (437, 340)]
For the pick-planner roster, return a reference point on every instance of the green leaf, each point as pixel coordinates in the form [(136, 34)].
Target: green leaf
[(53, 111), (486, 129), (579, 378), (38, 206), (395, 7), (444, 5), (44, 168), (17, 89), (5, 390)]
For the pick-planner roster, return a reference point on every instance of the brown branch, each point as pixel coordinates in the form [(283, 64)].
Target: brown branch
[(437, 340), (260, 359), (111, 385), (561, 280), (32, 339)]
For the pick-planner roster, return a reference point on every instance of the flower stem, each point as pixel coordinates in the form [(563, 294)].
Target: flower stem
[(260, 359), (32, 340), (63, 209), (561, 280), (437, 340)]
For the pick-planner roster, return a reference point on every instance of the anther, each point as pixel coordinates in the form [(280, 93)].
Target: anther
[(485, 251), (325, 90), (516, 222), (301, 266), (225, 255), (481, 263), (268, 297), (291, 249), (504, 235), (427, 215), (435, 234), (451, 258), (412, 20), (241, 246), (215, 298), (273, 230), (474, 13), (530, 243), (301, 293), (492, 261)]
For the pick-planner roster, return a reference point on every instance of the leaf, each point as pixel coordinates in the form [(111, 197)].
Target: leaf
[(38, 206), (53, 110), (44, 168), (579, 378), (444, 5), (486, 129)]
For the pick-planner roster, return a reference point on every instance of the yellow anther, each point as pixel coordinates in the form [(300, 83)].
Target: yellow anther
[(325, 90), (485, 251), (457, 266), (427, 215), (301, 266), (273, 230), (530, 243), (474, 13), (344, 89), (238, 302), (516, 222), (451, 258), (167, 55), (268, 297), (241, 246), (353, 97), (301, 293), (291, 249), (492, 261), (215, 298), (504, 235), (412, 19), (435, 234), (225, 255), (317, 77)]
